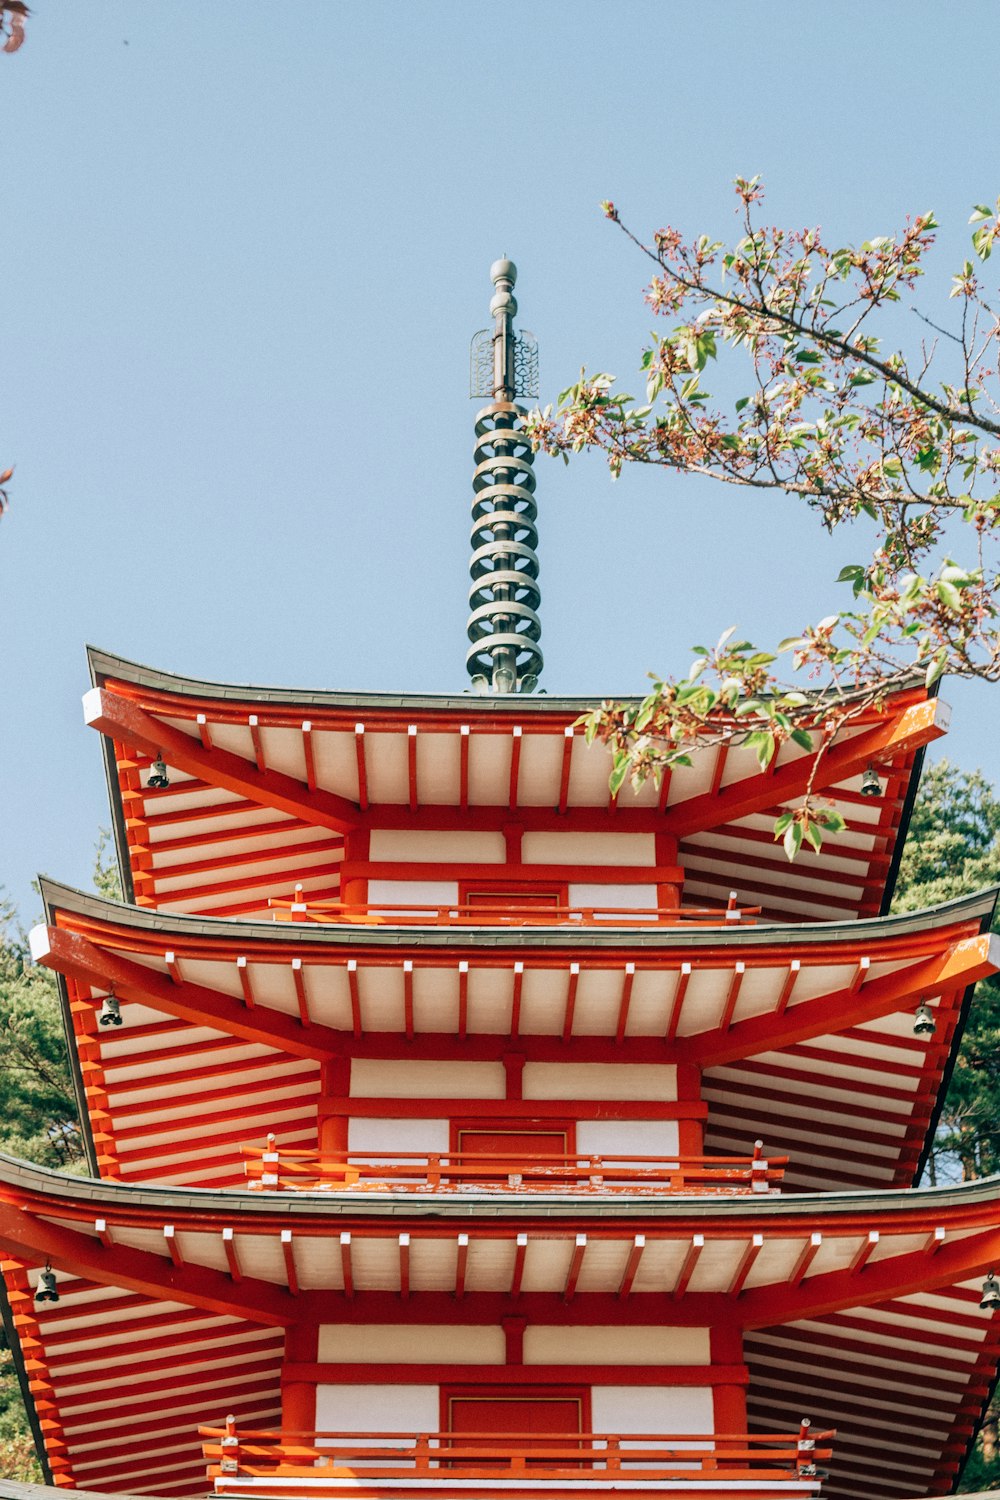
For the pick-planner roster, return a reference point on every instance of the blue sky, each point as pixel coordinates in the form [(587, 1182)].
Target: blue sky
[(246, 246)]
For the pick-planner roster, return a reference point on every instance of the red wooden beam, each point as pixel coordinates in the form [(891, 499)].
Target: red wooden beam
[(123, 719), (232, 1257), (515, 766), (632, 1265), (78, 958), (288, 1251), (104, 1233), (411, 766), (745, 1266), (809, 1252), (245, 985), (794, 969), (359, 753), (564, 772), (695, 1248), (899, 734), (463, 766), (173, 1248), (575, 1266), (463, 999), (461, 1264), (628, 979), (959, 966), (352, 984), (732, 996), (300, 991), (28, 1236), (204, 731), (861, 1259), (574, 980), (346, 1267), (308, 754), (520, 1252), (258, 744), (515, 1010), (408, 998), (173, 967), (893, 1276), (404, 1265), (680, 991)]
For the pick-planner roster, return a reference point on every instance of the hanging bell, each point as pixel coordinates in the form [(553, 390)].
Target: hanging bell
[(991, 1294), (158, 777), (870, 784), (47, 1290), (111, 1011), (924, 1023)]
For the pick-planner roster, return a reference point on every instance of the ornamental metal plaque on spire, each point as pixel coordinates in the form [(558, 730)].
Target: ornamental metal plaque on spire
[(504, 628)]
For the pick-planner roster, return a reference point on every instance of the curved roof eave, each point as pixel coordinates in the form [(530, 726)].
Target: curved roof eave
[(104, 664), (47, 1182), (981, 905)]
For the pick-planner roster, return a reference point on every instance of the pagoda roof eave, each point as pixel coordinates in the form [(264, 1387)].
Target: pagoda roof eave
[(284, 1208), (981, 906), (104, 665)]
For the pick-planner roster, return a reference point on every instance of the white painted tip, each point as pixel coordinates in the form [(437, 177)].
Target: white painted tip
[(91, 705), (942, 714), (38, 943)]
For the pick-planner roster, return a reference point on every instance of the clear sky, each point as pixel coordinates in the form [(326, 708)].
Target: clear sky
[(246, 245)]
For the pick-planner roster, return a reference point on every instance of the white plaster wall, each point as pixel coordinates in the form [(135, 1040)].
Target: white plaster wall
[(545, 1345), (643, 896), (653, 1409), (406, 1079), (379, 1136), (439, 845), (588, 849), (600, 1081), (366, 1408), (411, 1344), (413, 892), (627, 1137)]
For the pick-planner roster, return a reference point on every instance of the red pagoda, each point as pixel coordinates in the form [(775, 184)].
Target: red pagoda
[(456, 1128)]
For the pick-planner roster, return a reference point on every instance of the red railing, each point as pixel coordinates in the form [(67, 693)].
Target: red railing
[(507, 914), (452, 1171), (579, 1457)]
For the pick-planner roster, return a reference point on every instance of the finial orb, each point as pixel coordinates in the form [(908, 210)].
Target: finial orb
[(503, 270), (503, 302)]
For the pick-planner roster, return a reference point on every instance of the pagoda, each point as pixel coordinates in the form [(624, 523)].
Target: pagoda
[(455, 1127)]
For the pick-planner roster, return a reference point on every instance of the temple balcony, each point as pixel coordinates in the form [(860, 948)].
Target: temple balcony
[(384, 1464), (523, 911), (281, 1170)]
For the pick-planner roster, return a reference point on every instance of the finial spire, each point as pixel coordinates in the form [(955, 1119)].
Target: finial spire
[(504, 629)]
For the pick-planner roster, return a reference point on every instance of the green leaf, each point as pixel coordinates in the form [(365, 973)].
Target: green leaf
[(802, 737), (780, 824), (948, 594), (744, 401), (793, 839), (814, 834), (619, 772)]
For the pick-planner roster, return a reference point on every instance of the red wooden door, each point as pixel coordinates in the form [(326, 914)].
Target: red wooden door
[(511, 1148), (534, 1416)]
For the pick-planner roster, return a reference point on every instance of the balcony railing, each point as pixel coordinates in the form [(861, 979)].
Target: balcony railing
[(580, 1458), (507, 914), (458, 1171)]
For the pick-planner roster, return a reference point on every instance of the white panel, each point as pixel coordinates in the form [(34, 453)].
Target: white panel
[(412, 1344), (588, 849), (623, 1138), (598, 1080), (653, 1408), (642, 896), (403, 1079), (617, 1346), (412, 892), (362, 1408), (438, 845), (380, 1136)]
